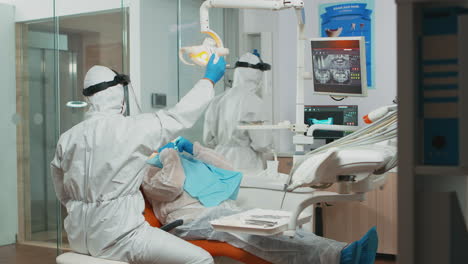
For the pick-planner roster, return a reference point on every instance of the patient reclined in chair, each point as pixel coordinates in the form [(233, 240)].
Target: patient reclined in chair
[(164, 188)]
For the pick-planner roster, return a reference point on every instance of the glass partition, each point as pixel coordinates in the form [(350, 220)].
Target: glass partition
[(224, 22), (37, 99), (56, 54), (189, 35), (8, 122)]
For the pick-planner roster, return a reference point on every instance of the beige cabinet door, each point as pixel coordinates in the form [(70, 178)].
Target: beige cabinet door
[(347, 222)]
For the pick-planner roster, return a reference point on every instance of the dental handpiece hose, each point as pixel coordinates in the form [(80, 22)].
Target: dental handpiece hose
[(378, 113)]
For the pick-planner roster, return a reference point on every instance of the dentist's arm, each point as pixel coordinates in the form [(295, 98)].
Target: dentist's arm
[(153, 130), (185, 113)]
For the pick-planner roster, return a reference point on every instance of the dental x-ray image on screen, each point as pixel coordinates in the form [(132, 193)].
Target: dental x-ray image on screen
[(339, 66)]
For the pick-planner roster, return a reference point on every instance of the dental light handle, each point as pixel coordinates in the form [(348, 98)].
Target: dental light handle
[(378, 113), (200, 55)]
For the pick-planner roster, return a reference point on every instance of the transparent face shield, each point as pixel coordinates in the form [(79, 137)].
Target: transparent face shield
[(126, 110)]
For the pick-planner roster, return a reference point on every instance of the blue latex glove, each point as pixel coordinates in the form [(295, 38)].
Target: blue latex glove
[(168, 145), (184, 144), (215, 71)]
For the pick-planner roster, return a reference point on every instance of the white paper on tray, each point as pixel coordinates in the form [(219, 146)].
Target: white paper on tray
[(279, 222)]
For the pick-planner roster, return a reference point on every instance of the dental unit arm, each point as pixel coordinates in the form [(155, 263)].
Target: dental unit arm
[(355, 177), (357, 163), (213, 44)]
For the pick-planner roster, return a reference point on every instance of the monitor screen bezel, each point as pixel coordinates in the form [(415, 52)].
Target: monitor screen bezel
[(362, 51)]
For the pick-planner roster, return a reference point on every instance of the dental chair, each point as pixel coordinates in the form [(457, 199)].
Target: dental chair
[(356, 164), (215, 248), (355, 170)]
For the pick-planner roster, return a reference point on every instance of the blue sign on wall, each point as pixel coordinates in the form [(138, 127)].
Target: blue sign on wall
[(351, 19)]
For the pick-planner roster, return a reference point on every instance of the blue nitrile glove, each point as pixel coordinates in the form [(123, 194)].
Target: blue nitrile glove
[(168, 145), (215, 71), (184, 144)]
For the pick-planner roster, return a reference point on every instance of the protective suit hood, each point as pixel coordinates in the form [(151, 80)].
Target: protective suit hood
[(248, 79), (98, 169), (242, 103), (109, 101)]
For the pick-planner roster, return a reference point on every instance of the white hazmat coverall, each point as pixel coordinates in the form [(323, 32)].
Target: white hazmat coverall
[(243, 148), (98, 170)]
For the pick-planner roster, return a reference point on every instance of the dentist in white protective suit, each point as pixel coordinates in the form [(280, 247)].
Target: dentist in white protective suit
[(242, 148), (98, 170)]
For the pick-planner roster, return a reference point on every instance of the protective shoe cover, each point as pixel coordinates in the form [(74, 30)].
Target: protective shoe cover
[(98, 169), (242, 148), (362, 251), (305, 247)]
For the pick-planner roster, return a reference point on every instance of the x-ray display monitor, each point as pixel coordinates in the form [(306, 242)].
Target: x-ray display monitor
[(346, 115), (339, 66)]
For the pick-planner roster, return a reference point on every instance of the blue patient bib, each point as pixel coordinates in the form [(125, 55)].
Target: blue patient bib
[(209, 184)]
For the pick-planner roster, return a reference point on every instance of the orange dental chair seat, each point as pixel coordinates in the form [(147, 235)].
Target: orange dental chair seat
[(215, 248)]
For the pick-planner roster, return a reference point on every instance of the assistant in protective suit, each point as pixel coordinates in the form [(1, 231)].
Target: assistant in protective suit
[(243, 148), (98, 170)]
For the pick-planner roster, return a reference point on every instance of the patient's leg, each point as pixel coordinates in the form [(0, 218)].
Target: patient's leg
[(305, 247)]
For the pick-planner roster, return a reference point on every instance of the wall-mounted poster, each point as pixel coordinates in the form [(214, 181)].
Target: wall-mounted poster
[(350, 19)]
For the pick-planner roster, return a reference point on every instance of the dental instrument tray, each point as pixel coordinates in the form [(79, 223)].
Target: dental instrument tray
[(260, 222)]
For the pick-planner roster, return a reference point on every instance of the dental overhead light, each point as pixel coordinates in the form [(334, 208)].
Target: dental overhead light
[(201, 54), (72, 69), (76, 104), (213, 44)]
